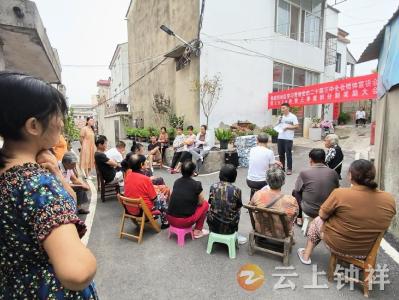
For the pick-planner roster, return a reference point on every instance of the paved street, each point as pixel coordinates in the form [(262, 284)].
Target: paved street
[(159, 269)]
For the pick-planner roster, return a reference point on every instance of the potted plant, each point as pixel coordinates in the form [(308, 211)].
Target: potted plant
[(171, 134), (224, 136), (315, 131), (143, 134), (132, 133), (273, 133), (343, 118)]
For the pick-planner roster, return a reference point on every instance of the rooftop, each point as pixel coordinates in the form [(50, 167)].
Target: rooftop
[(372, 50)]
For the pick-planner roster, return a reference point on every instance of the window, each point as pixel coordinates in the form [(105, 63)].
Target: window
[(287, 77), (338, 63), (300, 20), (331, 50)]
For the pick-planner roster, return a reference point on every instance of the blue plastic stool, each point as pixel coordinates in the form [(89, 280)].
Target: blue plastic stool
[(229, 239)]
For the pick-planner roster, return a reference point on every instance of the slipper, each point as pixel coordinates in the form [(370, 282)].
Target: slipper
[(300, 252), (203, 233)]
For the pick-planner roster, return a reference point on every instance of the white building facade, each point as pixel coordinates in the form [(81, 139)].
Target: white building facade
[(119, 68), (262, 47)]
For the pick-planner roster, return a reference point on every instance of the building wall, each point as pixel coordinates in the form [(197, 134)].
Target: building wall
[(25, 37), (386, 146), (120, 75), (112, 132), (103, 94), (147, 45), (247, 79)]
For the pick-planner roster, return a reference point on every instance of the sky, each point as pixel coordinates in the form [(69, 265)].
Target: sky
[(86, 32)]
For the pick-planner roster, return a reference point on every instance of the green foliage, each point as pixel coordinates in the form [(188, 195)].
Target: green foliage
[(132, 132), (171, 133), (270, 131), (252, 126), (223, 134), (71, 132), (143, 133), (175, 121), (343, 118), (153, 131)]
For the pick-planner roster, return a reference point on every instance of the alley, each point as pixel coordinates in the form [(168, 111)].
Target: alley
[(159, 269)]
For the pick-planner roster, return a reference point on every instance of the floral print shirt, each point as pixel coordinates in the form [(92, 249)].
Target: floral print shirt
[(225, 204), (32, 204)]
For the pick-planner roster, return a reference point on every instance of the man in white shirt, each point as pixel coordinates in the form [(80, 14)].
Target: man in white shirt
[(360, 117), (260, 160), (117, 153), (288, 122)]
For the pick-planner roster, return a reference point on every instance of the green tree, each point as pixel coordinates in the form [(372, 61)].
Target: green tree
[(71, 132)]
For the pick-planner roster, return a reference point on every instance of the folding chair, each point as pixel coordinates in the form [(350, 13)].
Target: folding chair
[(275, 243), (140, 220), (367, 265), (106, 189)]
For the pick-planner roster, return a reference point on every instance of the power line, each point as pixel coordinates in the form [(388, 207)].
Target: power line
[(133, 83), (275, 36), (130, 63)]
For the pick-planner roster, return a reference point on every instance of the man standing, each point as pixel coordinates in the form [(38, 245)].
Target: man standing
[(287, 124), (261, 159)]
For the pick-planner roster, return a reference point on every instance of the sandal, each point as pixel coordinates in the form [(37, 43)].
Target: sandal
[(204, 232), (300, 255)]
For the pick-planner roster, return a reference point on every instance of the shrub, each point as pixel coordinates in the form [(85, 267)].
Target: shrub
[(343, 118), (223, 134), (270, 131)]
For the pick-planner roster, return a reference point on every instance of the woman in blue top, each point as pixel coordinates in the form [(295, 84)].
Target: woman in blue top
[(41, 255)]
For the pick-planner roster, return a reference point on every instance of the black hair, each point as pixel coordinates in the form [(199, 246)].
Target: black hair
[(163, 127), (135, 162), (179, 127), (101, 139), (135, 147), (23, 97), (228, 173), (205, 127), (120, 144), (363, 173), (190, 127), (188, 168), (317, 155), (263, 138), (285, 104)]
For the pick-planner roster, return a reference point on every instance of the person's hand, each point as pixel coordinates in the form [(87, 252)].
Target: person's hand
[(48, 161), (279, 164)]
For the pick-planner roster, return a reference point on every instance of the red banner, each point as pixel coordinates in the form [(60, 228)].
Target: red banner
[(344, 90)]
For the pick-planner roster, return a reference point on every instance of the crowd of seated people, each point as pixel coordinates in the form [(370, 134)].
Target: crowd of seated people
[(345, 231)]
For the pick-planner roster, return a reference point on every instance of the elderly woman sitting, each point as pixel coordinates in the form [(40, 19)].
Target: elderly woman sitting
[(351, 219), (272, 197), (334, 156)]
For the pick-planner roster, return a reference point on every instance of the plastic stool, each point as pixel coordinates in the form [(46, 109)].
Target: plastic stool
[(229, 239), (181, 233)]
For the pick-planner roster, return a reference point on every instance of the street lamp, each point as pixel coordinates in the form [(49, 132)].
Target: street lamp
[(170, 32)]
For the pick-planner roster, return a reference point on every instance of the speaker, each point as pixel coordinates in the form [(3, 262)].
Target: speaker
[(231, 157)]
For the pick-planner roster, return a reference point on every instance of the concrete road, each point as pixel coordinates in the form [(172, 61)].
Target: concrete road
[(159, 269)]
